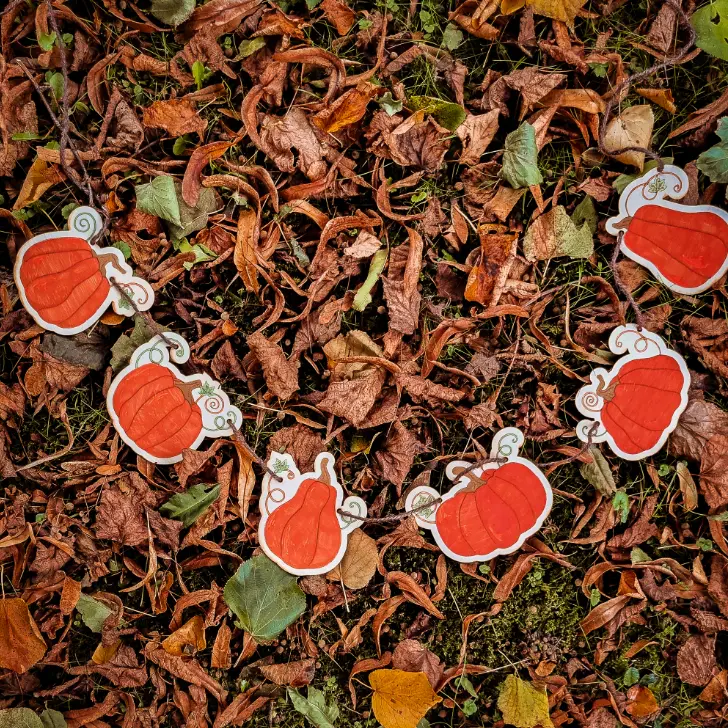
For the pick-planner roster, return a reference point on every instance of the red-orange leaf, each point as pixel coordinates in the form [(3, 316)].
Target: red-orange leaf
[(21, 644)]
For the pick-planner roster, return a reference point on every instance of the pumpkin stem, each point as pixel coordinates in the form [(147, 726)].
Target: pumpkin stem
[(606, 392), (474, 482), (105, 258), (187, 387), (623, 224)]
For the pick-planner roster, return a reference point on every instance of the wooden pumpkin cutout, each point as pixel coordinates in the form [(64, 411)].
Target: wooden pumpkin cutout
[(490, 510), (685, 246), (158, 411), (636, 405), (301, 529), (64, 280)]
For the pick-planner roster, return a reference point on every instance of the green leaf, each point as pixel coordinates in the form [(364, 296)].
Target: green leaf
[(520, 158), (704, 544), (25, 136), (720, 517), (127, 344), (620, 503), (585, 212), (172, 12), (598, 472), (363, 296), (19, 718), (180, 145), (93, 613), (714, 162), (631, 677), (452, 37), (191, 504), (464, 683), (445, 113), (391, 105), (66, 210), (311, 4), (124, 248), (595, 597), (198, 73), (639, 556), (55, 81), (554, 234), (159, 198), (314, 707), (47, 40), (248, 47), (264, 598), (192, 219), (469, 707), (52, 719), (711, 27)]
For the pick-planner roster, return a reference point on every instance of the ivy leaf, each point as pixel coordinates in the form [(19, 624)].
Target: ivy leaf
[(93, 612), (172, 12), (714, 162), (314, 707), (363, 296), (19, 718), (520, 158), (711, 27), (159, 198), (522, 704), (191, 504), (452, 37), (264, 598)]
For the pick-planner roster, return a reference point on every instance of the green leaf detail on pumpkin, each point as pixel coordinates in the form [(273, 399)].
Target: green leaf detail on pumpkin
[(280, 466), (657, 184), (208, 390)]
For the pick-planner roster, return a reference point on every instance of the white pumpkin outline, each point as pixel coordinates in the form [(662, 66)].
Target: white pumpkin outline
[(506, 443), (84, 222), (292, 481), (157, 351)]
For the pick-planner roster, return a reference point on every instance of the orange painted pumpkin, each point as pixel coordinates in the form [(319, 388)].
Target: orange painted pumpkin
[(492, 512), (157, 411), (686, 248), (304, 532), (64, 280), (640, 402)]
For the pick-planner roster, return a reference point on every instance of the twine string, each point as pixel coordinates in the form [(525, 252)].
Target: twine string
[(614, 99)]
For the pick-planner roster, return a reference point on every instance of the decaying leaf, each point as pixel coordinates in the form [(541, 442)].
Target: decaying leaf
[(554, 234), (632, 128), (188, 639), (520, 158), (21, 644), (359, 563)]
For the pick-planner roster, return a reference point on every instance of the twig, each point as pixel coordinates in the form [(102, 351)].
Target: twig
[(663, 65), (589, 442), (639, 316), (238, 437)]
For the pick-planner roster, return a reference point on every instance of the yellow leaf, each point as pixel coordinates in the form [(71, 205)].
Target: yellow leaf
[(349, 108), (523, 705), (40, 178), (660, 96), (632, 128), (401, 698), (563, 10)]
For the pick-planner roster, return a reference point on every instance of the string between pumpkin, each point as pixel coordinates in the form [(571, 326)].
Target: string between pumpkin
[(638, 315)]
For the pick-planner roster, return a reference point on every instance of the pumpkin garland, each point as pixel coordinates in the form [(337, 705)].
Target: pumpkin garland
[(301, 528), (66, 283), (685, 246), (159, 412), (490, 510)]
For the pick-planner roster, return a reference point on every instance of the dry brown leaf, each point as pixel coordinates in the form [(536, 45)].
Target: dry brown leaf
[(246, 244), (21, 644), (563, 10), (281, 374), (660, 96), (687, 487), (632, 128), (399, 452), (40, 178), (413, 656), (349, 108), (175, 116), (696, 660), (476, 134), (339, 14), (641, 702), (360, 561), (296, 674), (188, 639)]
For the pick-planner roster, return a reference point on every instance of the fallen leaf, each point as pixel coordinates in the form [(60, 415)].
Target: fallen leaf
[(520, 158), (93, 612), (21, 644), (598, 473), (349, 108), (476, 134), (360, 561), (315, 708), (191, 504), (264, 598), (188, 639), (296, 674), (660, 96), (40, 178), (399, 452), (175, 116), (412, 656), (563, 10), (714, 162), (20, 718), (401, 699), (246, 244), (339, 14), (522, 704), (641, 702), (554, 234), (281, 374), (687, 487), (172, 12), (711, 28), (696, 661), (632, 128), (159, 198)]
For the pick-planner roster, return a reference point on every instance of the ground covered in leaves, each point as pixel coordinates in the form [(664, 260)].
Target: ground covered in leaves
[(381, 226)]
